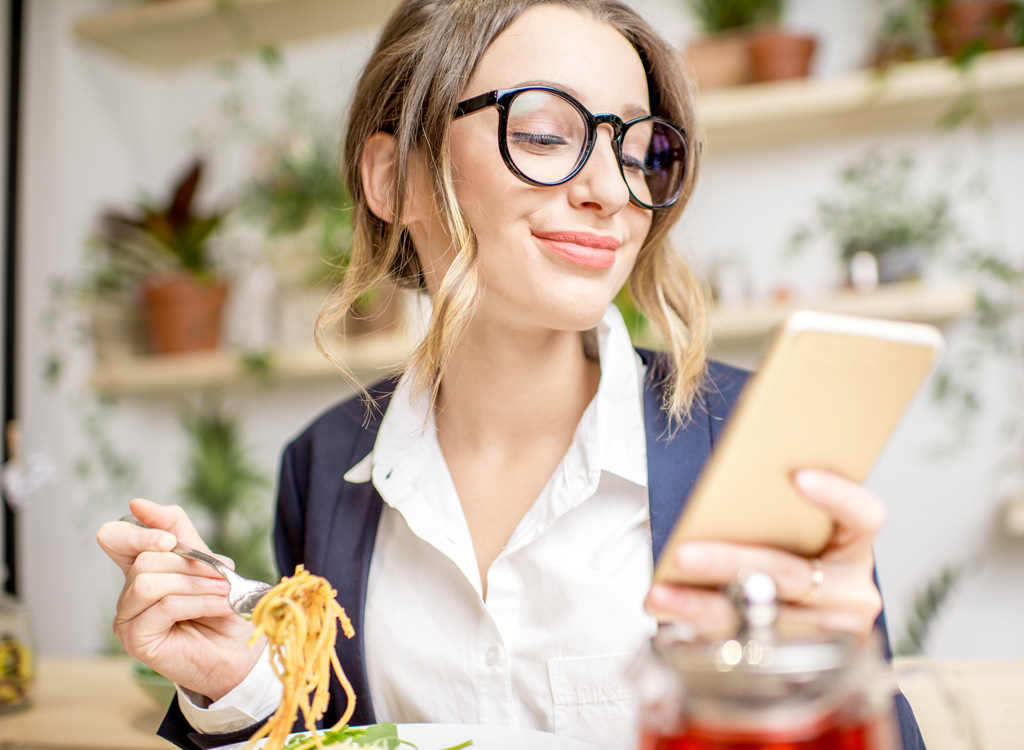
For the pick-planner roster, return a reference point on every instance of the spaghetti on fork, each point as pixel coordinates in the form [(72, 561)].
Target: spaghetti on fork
[(300, 617)]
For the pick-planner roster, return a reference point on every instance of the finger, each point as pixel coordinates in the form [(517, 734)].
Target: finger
[(859, 513), (171, 518), (719, 564), (142, 634), (147, 589), (123, 542), (705, 609), (859, 623), (166, 562)]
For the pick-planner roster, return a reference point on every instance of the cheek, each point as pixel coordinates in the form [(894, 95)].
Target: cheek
[(485, 189), (639, 223)]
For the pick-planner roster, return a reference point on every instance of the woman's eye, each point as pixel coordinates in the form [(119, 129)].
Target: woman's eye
[(632, 163), (538, 139)]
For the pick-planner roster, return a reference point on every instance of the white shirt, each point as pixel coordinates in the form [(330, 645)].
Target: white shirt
[(551, 646)]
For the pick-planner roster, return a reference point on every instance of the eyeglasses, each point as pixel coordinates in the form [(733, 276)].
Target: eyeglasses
[(545, 136)]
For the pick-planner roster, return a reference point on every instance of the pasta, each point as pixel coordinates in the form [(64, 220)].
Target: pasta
[(300, 617)]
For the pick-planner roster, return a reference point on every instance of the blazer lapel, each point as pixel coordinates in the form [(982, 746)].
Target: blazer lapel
[(346, 561), (675, 459)]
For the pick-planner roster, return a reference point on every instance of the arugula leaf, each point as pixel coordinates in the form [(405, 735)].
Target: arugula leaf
[(384, 736), (380, 735)]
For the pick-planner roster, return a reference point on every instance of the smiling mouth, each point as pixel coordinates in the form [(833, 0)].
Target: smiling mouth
[(582, 248)]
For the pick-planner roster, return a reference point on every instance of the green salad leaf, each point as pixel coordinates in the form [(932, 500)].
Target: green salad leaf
[(384, 736)]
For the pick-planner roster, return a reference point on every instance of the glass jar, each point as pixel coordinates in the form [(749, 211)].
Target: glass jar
[(16, 658), (765, 687)]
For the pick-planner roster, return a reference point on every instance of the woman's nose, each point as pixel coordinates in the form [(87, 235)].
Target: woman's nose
[(599, 184)]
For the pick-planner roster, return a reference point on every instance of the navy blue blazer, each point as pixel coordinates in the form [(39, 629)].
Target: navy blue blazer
[(330, 525)]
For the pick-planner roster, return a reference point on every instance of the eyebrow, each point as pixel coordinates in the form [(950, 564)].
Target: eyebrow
[(629, 112)]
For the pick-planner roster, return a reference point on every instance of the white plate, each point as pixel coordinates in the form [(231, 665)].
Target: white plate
[(485, 737)]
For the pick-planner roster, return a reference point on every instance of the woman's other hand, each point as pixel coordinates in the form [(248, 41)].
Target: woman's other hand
[(838, 593), (173, 613)]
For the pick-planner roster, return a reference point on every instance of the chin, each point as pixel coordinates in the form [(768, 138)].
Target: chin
[(578, 316)]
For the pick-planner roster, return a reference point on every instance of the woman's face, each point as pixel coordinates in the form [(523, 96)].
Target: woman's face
[(550, 257)]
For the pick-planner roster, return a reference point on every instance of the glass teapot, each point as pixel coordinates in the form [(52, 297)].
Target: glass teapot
[(765, 686)]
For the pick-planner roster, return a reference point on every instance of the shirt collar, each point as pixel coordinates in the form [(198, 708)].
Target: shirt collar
[(610, 436), (619, 402)]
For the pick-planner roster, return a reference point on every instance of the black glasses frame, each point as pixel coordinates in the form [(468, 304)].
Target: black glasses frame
[(502, 98)]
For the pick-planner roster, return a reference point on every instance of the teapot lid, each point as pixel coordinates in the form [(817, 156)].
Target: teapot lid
[(761, 658)]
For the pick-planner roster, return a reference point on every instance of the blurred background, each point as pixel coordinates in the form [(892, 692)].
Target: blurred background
[(179, 155)]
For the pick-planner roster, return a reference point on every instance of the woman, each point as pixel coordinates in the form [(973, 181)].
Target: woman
[(490, 520)]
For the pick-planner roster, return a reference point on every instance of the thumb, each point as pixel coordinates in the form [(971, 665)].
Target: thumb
[(170, 518), (124, 542)]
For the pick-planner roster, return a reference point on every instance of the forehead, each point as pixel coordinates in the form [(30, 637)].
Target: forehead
[(558, 45)]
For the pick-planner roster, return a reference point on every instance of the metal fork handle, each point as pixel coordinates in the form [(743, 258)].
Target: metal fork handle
[(193, 554)]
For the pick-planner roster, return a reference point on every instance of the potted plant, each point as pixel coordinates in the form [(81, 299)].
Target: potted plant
[(169, 247), (231, 494), (903, 34), (298, 198), (228, 495), (777, 52), (883, 229), (720, 56), (965, 28)]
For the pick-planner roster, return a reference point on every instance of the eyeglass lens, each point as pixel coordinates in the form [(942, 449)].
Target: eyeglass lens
[(547, 139)]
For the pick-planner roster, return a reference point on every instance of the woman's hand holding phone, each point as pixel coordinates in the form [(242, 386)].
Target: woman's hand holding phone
[(829, 393), (844, 597), (173, 614)]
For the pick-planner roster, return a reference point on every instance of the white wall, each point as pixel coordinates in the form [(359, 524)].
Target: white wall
[(98, 128)]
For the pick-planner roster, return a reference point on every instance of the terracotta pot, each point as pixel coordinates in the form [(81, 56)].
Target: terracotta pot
[(183, 313), (719, 60), (957, 25), (777, 54)]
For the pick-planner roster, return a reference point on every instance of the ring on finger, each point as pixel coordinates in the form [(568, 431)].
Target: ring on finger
[(817, 581)]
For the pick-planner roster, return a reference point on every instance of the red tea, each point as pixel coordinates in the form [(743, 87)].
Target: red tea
[(828, 735)]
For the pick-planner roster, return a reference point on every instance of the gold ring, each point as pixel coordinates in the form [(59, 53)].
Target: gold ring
[(817, 580)]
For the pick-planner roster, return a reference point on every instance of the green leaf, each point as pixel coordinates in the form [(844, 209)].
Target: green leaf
[(270, 56), (715, 16), (925, 609), (258, 364), (53, 368), (381, 735), (222, 478)]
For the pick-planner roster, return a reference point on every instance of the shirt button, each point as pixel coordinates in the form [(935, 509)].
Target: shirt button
[(492, 656)]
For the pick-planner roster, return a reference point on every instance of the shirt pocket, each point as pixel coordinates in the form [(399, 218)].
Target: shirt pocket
[(594, 699)]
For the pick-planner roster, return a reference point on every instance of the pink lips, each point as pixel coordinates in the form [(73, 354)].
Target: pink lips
[(583, 248)]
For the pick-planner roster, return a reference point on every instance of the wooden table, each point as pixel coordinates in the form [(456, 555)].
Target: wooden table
[(84, 703), (91, 703), (993, 692)]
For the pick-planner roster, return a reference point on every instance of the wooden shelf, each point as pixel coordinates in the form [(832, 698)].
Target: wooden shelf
[(916, 302), (163, 35), (915, 94), (370, 356)]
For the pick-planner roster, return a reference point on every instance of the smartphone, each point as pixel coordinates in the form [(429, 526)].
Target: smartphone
[(828, 394)]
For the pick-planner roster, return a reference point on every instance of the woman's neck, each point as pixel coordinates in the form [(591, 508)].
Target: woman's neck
[(509, 388)]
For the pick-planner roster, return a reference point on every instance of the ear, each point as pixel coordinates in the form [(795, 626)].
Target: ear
[(377, 171)]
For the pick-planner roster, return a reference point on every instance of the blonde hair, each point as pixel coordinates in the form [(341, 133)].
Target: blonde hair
[(416, 75)]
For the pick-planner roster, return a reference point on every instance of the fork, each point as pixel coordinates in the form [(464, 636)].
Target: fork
[(243, 593)]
